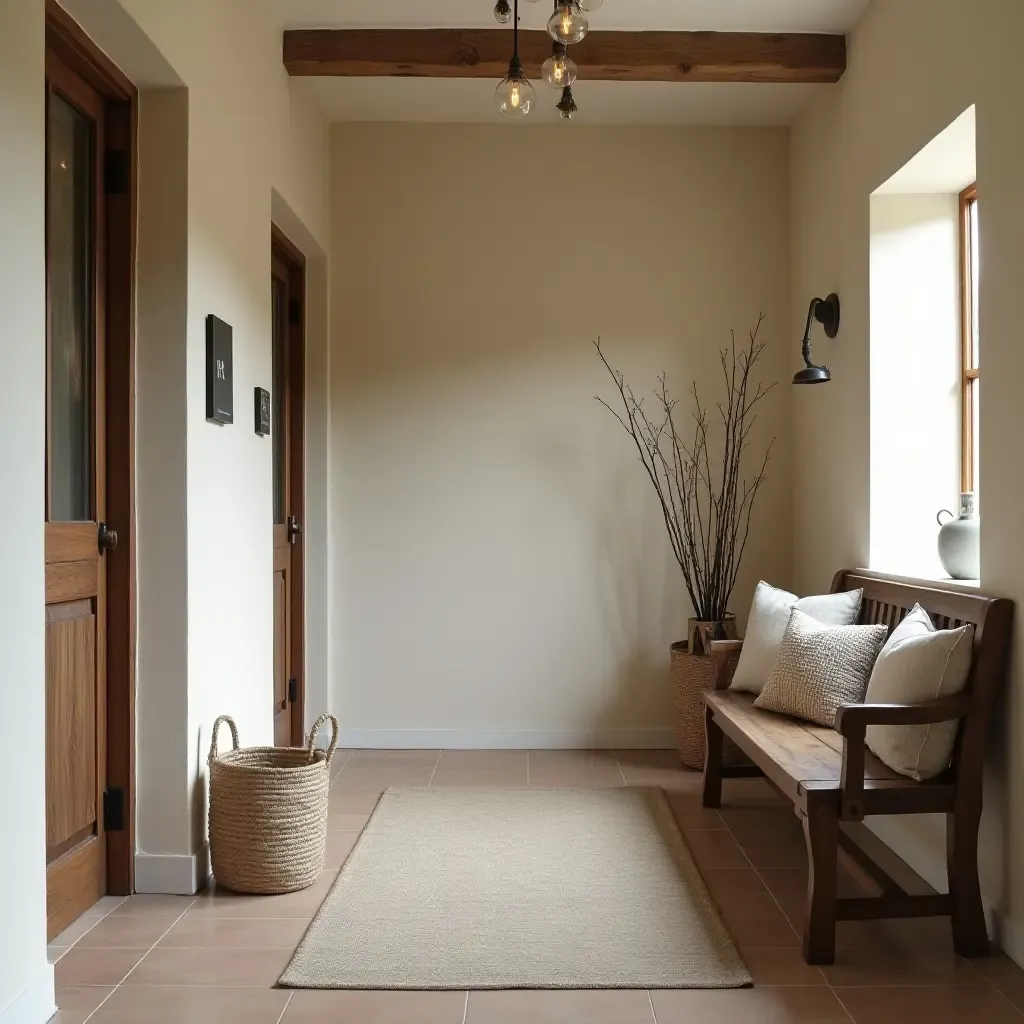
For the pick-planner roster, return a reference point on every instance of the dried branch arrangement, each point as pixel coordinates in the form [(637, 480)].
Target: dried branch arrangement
[(707, 512)]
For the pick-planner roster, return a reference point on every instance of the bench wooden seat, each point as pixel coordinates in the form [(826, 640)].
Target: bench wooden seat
[(830, 776)]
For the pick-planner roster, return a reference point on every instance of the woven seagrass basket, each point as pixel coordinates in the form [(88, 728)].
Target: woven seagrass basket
[(692, 674), (268, 812)]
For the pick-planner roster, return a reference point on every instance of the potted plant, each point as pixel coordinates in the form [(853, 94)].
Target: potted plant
[(707, 501)]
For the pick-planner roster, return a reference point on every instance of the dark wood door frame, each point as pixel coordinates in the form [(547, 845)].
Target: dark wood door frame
[(66, 41), (284, 252)]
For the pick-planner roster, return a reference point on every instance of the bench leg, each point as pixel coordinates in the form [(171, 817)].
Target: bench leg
[(970, 933), (821, 832), (713, 754)]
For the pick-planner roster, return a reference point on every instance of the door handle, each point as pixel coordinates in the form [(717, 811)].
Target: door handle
[(294, 529), (107, 539)]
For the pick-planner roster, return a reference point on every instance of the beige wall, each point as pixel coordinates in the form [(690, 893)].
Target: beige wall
[(914, 66), (247, 147), (501, 575), (26, 980)]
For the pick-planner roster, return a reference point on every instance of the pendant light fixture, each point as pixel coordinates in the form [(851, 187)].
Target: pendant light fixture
[(514, 94), (568, 24)]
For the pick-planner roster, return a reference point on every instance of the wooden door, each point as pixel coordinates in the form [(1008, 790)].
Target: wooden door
[(286, 407), (75, 534)]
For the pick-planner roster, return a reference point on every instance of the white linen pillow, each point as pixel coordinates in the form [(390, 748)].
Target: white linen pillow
[(769, 615), (918, 662), (820, 668)]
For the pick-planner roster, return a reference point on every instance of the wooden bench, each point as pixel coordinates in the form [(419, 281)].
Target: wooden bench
[(830, 776)]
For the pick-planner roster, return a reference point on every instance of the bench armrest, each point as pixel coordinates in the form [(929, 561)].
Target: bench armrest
[(723, 654), (852, 721)]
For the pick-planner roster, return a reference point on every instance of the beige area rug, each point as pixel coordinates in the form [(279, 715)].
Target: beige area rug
[(518, 888)]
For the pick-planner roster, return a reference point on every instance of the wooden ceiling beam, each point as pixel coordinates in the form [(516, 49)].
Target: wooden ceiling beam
[(602, 56)]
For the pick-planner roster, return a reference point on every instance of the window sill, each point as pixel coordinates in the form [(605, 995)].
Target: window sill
[(927, 577)]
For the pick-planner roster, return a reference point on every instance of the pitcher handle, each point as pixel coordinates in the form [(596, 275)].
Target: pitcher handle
[(938, 516)]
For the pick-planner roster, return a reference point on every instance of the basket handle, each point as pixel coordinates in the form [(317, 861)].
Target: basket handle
[(216, 729), (334, 735)]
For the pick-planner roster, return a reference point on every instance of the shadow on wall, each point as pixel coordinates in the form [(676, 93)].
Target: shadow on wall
[(623, 537)]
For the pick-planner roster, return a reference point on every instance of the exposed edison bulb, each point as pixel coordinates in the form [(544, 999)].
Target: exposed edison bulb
[(502, 12), (567, 25), (559, 70), (514, 95)]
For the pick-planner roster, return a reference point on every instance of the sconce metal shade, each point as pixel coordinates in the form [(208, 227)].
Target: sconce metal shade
[(813, 375), (826, 312)]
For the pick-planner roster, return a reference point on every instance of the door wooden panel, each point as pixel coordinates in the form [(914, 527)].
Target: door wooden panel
[(282, 668), (70, 722), (76, 702), (286, 405)]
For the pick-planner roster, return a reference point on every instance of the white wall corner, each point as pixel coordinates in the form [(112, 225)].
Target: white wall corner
[(36, 1004), (172, 874), (512, 739)]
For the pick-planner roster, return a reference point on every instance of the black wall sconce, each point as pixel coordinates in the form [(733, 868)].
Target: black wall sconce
[(826, 312)]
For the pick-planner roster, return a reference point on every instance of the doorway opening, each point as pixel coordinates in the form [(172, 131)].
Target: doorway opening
[(287, 408), (89, 499)]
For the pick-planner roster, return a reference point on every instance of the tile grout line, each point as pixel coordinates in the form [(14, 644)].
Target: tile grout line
[(437, 761), (824, 977), (288, 1002), (143, 957)]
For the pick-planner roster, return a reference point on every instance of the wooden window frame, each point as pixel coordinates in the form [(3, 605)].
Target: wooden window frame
[(969, 372)]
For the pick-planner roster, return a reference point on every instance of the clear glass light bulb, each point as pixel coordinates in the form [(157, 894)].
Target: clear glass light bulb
[(559, 71), (568, 25), (514, 96), (502, 12), (590, 5)]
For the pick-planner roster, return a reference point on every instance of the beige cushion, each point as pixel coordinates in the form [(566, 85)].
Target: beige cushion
[(769, 614), (820, 667), (919, 662)]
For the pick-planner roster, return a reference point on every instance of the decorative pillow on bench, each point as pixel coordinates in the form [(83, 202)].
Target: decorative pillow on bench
[(769, 616), (919, 662), (820, 667)]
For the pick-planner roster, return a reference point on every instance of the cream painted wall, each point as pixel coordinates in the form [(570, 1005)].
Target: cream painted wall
[(500, 573), (250, 144), (26, 980), (914, 66)]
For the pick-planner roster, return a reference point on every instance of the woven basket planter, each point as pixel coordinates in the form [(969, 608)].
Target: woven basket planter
[(692, 674), (268, 812)]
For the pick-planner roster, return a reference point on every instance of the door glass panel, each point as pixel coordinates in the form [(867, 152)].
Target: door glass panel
[(277, 438), (69, 258)]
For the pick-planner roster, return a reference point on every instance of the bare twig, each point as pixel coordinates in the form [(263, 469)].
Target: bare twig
[(707, 515)]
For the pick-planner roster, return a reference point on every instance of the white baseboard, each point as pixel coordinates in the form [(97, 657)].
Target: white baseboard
[(172, 874), (511, 739), (36, 1005)]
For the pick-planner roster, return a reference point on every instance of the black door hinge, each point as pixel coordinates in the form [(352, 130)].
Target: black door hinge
[(294, 312), (113, 810), (293, 690), (116, 172)]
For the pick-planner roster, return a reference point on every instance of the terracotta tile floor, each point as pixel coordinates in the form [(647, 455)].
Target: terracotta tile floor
[(215, 957)]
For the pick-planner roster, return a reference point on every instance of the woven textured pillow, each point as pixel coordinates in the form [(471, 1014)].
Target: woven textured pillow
[(919, 662), (820, 667), (769, 615)]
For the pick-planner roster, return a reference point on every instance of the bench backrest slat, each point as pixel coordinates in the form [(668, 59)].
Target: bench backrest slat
[(887, 600)]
